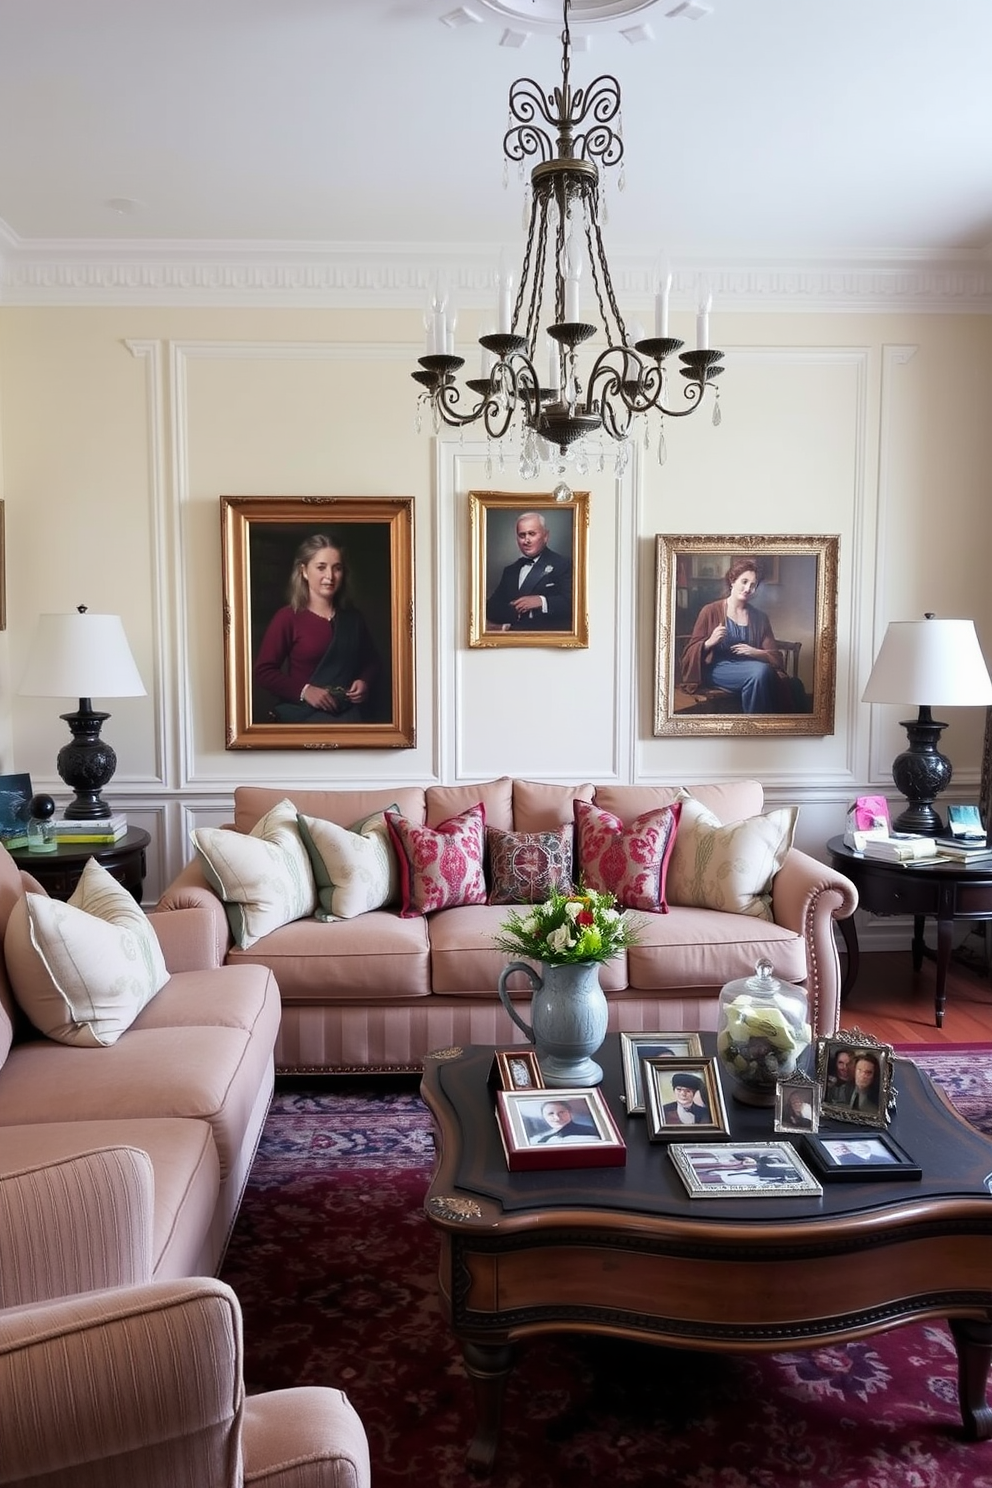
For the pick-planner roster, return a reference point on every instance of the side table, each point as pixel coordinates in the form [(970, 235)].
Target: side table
[(59, 872), (948, 891)]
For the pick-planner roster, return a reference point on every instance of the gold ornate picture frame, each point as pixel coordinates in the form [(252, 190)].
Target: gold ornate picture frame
[(260, 539), (703, 685), (544, 604)]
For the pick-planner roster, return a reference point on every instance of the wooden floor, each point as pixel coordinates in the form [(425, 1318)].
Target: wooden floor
[(895, 1004)]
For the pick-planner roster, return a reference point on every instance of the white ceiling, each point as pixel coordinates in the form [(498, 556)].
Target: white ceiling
[(764, 131)]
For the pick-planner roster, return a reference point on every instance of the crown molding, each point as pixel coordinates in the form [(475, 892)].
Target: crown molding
[(397, 276)]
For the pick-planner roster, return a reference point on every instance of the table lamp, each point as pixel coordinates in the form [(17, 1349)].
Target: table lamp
[(932, 663), (85, 656)]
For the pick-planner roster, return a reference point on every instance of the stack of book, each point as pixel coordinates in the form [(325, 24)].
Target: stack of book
[(964, 849), (901, 848), (102, 830)]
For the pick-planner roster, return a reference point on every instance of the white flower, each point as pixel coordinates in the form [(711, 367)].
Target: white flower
[(609, 916), (560, 939), (530, 926), (573, 907)]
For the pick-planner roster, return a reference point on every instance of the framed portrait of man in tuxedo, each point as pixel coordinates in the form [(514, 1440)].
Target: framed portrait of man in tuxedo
[(529, 557)]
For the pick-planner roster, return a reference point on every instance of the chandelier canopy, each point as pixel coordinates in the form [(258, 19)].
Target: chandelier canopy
[(558, 419)]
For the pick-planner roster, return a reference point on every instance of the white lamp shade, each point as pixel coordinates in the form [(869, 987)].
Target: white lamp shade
[(931, 663), (80, 655)]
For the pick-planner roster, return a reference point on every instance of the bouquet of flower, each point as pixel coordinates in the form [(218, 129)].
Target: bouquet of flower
[(584, 925)]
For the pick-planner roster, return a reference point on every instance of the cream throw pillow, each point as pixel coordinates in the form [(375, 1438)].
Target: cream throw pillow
[(728, 867), (82, 971), (263, 876), (354, 867)]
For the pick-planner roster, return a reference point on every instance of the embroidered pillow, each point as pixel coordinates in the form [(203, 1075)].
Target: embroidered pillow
[(354, 867), (440, 867), (729, 867), (628, 861), (263, 876), (83, 970), (525, 867)]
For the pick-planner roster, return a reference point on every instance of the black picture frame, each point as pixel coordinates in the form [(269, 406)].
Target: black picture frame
[(837, 1157)]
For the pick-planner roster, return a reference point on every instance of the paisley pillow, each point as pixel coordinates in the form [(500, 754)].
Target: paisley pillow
[(628, 861), (440, 867), (525, 867)]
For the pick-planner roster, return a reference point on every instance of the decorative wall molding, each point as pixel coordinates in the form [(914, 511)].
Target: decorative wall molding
[(357, 276)]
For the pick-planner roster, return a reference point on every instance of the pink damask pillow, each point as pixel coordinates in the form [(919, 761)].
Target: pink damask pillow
[(631, 862), (440, 866), (525, 867)]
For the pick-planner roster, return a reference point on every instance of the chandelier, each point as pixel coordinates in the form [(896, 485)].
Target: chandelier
[(564, 418)]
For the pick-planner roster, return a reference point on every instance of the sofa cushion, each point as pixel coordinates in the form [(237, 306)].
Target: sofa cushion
[(184, 1163), (252, 802), (729, 867), (496, 796), (705, 948), (377, 957), (729, 801), (83, 970), (354, 867), (443, 866), (465, 960), (11, 890), (263, 877), (628, 861), (526, 867), (538, 807)]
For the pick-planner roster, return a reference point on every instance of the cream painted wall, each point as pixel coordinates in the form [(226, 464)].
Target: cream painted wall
[(120, 430)]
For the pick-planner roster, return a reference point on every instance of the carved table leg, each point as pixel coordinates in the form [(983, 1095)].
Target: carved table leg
[(918, 943), (849, 934), (487, 1369), (945, 929), (973, 1341)]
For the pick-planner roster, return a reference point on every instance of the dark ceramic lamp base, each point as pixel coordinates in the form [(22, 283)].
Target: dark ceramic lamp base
[(920, 773), (87, 764)]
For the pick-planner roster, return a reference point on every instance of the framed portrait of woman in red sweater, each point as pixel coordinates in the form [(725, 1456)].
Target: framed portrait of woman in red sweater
[(318, 622), (746, 634)]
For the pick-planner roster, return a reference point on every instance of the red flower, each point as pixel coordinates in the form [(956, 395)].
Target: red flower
[(584, 917)]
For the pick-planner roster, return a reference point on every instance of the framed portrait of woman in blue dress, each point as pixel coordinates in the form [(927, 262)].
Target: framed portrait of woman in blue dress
[(746, 635)]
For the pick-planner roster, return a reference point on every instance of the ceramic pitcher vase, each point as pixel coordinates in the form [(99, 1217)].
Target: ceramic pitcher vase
[(568, 1020)]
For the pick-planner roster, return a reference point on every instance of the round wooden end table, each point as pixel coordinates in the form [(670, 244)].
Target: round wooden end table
[(59, 872), (947, 891)]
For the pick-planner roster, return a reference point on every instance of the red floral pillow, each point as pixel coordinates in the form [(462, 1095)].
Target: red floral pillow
[(440, 866), (526, 867), (631, 862)]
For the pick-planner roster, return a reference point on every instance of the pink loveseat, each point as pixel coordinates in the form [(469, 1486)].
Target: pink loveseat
[(380, 991)]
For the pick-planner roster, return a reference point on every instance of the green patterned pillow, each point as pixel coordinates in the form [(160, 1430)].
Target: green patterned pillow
[(728, 867), (354, 867), (263, 876)]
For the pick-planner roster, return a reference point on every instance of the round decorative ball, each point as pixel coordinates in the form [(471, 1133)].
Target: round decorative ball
[(42, 807)]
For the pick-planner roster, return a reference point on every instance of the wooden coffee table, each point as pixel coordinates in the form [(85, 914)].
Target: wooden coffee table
[(625, 1251)]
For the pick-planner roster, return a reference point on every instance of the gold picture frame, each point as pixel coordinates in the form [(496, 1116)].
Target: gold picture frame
[(260, 537), (796, 613), (556, 585)]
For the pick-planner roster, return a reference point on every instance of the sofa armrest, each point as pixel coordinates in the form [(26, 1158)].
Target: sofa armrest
[(309, 1437), (150, 1376), (807, 896), (191, 939), (190, 890), (76, 1225)]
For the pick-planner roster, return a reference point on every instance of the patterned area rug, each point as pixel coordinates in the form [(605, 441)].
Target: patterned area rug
[(335, 1266)]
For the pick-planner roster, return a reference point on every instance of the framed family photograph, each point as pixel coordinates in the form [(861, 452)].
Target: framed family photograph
[(558, 1129), (637, 1046), (856, 1159), (756, 1170), (684, 1096), (854, 1072), (746, 635), (797, 1104), (318, 622), (529, 558)]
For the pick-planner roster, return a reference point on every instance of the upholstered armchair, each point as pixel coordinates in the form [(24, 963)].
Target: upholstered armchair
[(111, 1380)]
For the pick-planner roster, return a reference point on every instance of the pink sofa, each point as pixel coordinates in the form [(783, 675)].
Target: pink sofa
[(380, 991), (189, 1083)]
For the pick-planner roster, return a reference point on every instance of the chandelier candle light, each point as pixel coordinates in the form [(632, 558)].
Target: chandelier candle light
[(628, 377)]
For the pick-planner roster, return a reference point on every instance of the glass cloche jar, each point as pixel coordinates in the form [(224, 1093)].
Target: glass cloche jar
[(762, 1033)]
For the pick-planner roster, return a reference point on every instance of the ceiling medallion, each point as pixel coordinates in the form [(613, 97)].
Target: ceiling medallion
[(562, 419)]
